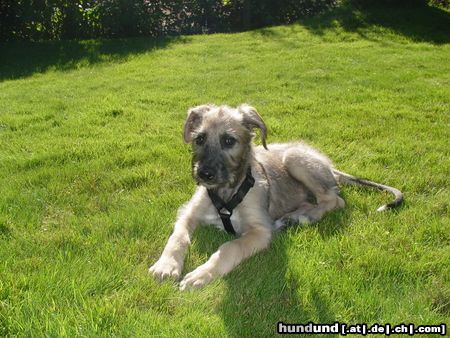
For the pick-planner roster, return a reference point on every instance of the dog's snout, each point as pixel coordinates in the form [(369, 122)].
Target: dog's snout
[(206, 173)]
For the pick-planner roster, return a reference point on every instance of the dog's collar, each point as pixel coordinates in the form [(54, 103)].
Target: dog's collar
[(225, 210)]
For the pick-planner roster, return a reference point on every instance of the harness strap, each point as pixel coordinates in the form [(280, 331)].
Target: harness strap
[(225, 210)]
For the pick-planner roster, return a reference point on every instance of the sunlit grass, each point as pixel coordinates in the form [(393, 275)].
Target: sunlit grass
[(93, 169)]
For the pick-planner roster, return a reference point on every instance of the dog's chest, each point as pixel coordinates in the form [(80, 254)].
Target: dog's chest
[(211, 217)]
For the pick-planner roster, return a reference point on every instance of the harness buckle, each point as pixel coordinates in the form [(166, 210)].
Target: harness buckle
[(225, 213)]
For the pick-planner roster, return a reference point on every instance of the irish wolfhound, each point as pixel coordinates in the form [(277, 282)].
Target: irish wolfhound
[(248, 190)]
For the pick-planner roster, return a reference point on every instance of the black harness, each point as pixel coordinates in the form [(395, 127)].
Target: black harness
[(225, 210)]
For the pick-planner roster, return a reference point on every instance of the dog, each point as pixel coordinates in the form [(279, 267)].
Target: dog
[(248, 190)]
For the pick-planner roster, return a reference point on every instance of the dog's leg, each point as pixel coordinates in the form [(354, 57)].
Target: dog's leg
[(170, 264), (314, 171), (227, 257)]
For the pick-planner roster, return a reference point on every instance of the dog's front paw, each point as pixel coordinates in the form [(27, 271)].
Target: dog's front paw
[(166, 267), (197, 278)]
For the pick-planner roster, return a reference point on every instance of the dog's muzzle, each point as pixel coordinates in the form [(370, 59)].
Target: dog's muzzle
[(207, 174), (210, 175)]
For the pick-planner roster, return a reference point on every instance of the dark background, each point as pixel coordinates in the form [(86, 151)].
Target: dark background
[(37, 20)]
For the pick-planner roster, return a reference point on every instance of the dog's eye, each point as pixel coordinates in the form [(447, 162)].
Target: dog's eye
[(229, 141), (200, 139)]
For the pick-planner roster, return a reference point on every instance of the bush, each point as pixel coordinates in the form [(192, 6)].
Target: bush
[(441, 3), (70, 19), (258, 13), (389, 2)]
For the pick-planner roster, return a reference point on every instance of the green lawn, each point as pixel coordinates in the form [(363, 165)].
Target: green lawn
[(93, 169)]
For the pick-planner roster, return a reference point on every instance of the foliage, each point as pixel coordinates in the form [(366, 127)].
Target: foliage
[(440, 3), (64, 19), (259, 13)]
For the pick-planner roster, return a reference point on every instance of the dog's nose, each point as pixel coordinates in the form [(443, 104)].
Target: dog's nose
[(206, 174)]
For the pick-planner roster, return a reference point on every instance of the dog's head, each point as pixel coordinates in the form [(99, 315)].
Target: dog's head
[(221, 139)]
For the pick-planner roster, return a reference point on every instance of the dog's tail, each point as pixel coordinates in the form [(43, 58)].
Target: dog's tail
[(345, 178)]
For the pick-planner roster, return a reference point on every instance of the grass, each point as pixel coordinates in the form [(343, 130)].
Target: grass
[(93, 169)]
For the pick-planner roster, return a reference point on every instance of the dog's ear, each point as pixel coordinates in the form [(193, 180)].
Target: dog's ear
[(251, 119), (194, 118)]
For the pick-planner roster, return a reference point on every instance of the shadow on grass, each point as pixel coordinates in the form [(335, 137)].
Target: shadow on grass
[(263, 291), (416, 22), (22, 59), (420, 23)]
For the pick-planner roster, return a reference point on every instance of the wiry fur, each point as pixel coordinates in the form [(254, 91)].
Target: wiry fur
[(294, 183)]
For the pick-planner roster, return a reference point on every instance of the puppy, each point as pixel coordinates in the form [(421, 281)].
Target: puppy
[(249, 191)]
